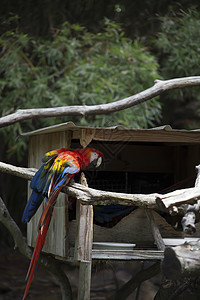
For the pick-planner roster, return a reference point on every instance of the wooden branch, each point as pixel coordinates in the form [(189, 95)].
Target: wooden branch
[(167, 201), (49, 262), (89, 196), (9, 223), (86, 110), (182, 261), (26, 173)]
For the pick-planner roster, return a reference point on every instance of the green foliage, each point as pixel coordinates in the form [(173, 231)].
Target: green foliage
[(75, 67), (178, 43), (178, 46)]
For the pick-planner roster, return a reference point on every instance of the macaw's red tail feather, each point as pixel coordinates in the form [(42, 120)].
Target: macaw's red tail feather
[(51, 203), (36, 254)]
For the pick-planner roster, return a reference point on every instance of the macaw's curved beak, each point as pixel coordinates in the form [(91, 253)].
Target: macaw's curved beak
[(95, 163), (98, 162)]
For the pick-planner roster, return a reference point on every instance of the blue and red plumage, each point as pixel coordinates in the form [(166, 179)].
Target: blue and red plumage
[(58, 169)]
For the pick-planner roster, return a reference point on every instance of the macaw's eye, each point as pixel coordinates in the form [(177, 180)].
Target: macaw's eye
[(93, 156)]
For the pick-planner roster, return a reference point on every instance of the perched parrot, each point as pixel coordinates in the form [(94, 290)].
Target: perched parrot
[(59, 167)]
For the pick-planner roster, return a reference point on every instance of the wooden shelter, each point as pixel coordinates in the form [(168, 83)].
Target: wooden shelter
[(135, 161)]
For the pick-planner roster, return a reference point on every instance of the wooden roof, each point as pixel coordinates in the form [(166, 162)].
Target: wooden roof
[(119, 133)]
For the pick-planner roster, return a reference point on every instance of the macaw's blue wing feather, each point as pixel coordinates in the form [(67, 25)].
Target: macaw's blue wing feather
[(37, 185), (37, 182), (31, 207), (110, 215)]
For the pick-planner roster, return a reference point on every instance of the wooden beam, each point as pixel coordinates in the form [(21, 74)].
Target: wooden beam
[(83, 245), (127, 254), (84, 235), (84, 280), (159, 136), (89, 196), (155, 230)]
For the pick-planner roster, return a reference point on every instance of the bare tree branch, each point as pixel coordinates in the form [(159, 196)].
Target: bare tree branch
[(86, 110), (89, 196), (26, 173)]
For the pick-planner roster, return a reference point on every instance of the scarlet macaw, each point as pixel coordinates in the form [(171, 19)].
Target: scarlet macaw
[(59, 167)]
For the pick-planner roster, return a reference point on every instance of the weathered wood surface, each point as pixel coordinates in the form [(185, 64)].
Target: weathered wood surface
[(84, 280), (178, 197), (141, 135), (182, 260), (155, 230), (57, 236), (84, 233), (26, 173), (128, 254)]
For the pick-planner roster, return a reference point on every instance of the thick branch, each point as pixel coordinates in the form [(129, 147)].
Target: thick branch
[(158, 88), (14, 230), (96, 197), (49, 262), (26, 173), (89, 196)]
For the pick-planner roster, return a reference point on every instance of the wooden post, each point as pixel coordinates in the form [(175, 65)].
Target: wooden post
[(84, 281), (83, 245), (155, 230)]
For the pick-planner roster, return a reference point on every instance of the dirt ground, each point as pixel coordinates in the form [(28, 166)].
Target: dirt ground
[(106, 279)]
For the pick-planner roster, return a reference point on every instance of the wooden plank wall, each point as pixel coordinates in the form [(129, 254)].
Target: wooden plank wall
[(57, 236)]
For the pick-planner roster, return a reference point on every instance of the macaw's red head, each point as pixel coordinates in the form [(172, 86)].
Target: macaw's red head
[(91, 156)]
